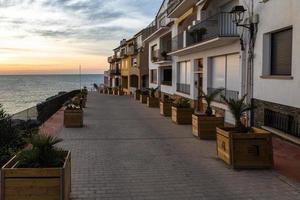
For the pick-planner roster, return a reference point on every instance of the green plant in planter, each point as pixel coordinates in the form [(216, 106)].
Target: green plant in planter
[(182, 103), (41, 153), (96, 86), (84, 92), (209, 98), (238, 108), (164, 54), (11, 139), (145, 92), (152, 91)]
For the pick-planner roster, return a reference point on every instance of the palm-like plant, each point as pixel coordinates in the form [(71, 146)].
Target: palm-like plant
[(209, 98), (152, 91), (42, 153), (238, 108), (182, 103)]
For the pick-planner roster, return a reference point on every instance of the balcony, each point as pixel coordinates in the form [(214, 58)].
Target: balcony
[(160, 56), (131, 50), (115, 72), (150, 29), (215, 31), (123, 53), (183, 88), (229, 94), (111, 59), (178, 7)]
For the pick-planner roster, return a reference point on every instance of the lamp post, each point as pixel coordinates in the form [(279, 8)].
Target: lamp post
[(238, 15)]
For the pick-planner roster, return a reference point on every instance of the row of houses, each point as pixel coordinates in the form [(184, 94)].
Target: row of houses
[(247, 47)]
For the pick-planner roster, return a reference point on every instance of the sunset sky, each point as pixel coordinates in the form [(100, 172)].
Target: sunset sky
[(56, 36)]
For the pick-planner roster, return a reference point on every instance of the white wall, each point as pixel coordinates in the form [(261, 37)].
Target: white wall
[(274, 15)]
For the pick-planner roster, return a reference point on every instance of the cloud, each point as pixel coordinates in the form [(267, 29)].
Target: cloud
[(91, 26)]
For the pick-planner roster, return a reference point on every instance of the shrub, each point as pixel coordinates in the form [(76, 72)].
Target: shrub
[(182, 103), (41, 153)]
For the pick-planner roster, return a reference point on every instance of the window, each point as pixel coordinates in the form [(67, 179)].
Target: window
[(134, 62), (225, 73), (154, 53), (277, 53), (167, 76), (184, 77), (281, 52), (154, 76)]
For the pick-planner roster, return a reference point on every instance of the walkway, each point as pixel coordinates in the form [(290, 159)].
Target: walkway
[(129, 151)]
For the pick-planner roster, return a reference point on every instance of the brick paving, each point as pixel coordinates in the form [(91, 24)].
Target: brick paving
[(128, 151)]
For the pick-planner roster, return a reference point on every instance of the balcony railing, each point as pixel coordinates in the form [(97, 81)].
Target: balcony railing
[(173, 5), (160, 55), (150, 29), (229, 94), (183, 88), (131, 50), (220, 25), (115, 71)]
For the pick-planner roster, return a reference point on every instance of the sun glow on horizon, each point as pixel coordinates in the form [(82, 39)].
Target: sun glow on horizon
[(38, 37)]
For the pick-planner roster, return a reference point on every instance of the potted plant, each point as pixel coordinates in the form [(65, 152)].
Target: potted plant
[(241, 146), (115, 91), (144, 95), (152, 100), (41, 171), (137, 95), (181, 111), (165, 106), (109, 90), (73, 116), (164, 55), (121, 92), (204, 125)]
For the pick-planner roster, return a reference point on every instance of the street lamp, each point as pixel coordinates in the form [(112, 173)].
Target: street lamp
[(238, 13)]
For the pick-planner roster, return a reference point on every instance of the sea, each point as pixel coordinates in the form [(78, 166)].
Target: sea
[(20, 92)]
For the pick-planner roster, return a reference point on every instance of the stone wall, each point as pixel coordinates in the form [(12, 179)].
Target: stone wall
[(258, 113)]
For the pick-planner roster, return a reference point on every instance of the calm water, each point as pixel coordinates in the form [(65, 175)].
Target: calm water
[(19, 92)]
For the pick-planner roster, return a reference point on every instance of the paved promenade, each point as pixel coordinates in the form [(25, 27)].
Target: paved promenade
[(129, 151)]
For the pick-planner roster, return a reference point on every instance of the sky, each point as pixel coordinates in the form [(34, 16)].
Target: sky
[(56, 36)]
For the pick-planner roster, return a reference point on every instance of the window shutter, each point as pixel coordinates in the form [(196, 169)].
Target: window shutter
[(281, 52)]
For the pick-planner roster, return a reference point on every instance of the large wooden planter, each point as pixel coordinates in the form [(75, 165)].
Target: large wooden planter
[(245, 151), (137, 96), (182, 115), (115, 92), (143, 99), (36, 183), (121, 93), (73, 118), (205, 126), (152, 102), (165, 108)]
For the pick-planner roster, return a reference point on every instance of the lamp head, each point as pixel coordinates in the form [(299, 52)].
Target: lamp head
[(238, 13)]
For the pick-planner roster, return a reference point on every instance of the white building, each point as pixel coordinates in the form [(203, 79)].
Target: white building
[(276, 66)]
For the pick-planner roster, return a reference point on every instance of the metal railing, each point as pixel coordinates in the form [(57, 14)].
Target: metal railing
[(173, 5), (282, 122), (150, 29), (183, 88), (220, 25), (228, 94), (26, 115)]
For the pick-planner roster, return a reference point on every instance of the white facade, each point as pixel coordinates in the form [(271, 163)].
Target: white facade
[(283, 90)]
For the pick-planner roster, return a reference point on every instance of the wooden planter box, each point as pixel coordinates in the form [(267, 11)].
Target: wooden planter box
[(36, 183), (121, 93), (245, 151), (73, 118), (152, 102), (182, 115), (165, 108), (143, 99), (205, 126), (137, 96), (115, 92)]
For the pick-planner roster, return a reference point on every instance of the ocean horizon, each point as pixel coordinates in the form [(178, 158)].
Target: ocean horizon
[(19, 92)]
